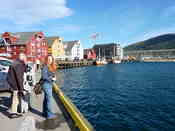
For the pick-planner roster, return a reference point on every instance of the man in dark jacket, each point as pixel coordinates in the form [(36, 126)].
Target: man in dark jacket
[(15, 80)]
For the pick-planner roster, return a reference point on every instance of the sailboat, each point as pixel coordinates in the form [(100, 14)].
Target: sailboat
[(115, 60), (104, 59), (100, 61)]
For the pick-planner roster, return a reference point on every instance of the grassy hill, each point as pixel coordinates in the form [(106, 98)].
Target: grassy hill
[(166, 41)]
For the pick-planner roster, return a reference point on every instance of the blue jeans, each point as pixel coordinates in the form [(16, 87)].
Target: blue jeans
[(47, 103)]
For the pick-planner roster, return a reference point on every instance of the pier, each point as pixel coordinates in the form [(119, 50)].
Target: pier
[(73, 64), (69, 118)]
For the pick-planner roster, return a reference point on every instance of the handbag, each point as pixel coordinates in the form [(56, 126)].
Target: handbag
[(38, 87)]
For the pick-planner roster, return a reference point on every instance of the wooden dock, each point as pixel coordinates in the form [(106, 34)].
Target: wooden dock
[(73, 64)]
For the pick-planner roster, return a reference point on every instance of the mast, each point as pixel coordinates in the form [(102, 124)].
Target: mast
[(114, 52), (99, 53)]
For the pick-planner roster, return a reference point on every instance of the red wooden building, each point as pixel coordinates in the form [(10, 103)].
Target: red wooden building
[(89, 54), (33, 44)]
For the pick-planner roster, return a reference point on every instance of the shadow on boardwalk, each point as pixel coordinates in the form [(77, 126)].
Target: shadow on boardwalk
[(5, 103), (50, 124)]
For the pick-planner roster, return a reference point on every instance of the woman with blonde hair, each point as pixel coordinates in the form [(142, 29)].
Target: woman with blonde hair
[(47, 75)]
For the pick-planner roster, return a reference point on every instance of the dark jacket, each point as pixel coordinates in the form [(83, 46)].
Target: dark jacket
[(47, 75), (15, 75)]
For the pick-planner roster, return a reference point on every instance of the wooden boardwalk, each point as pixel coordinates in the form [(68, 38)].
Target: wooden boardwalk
[(33, 120)]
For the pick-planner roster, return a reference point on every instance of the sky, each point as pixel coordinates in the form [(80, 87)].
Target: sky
[(121, 21)]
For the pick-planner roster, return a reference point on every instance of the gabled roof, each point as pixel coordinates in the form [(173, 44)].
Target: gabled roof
[(50, 40), (69, 45), (23, 37)]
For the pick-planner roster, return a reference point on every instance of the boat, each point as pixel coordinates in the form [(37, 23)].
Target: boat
[(101, 61), (104, 62), (116, 61), (98, 62)]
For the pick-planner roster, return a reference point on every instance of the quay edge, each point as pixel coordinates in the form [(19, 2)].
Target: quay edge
[(80, 121)]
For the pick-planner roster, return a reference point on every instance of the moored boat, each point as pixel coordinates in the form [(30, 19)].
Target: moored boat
[(101, 62), (115, 61), (104, 62)]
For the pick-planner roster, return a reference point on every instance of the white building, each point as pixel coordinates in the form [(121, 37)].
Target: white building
[(73, 50)]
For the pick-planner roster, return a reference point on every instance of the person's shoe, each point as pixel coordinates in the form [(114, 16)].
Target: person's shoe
[(15, 115), (53, 116), (44, 115)]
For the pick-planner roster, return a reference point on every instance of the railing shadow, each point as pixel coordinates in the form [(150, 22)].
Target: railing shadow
[(67, 116)]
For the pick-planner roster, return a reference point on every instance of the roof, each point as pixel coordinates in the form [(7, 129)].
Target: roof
[(23, 37), (50, 40), (69, 45)]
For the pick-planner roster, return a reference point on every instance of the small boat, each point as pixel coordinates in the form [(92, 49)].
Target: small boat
[(101, 62), (115, 61), (104, 62), (98, 62)]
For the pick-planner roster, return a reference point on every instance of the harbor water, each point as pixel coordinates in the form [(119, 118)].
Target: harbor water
[(124, 97)]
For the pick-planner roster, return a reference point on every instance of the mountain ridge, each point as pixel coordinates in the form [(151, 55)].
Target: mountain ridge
[(164, 41)]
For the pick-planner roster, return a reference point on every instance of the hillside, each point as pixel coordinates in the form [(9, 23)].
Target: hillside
[(166, 41)]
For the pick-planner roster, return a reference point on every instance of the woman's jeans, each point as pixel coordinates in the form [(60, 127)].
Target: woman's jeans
[(47, 103)]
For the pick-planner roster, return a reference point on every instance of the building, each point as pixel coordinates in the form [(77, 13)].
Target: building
[(151, 54), (56, 47), (89, 54), (73, 50), (109, 51), (33, 44)]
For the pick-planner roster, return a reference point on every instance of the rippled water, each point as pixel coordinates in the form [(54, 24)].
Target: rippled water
[(124, 97)]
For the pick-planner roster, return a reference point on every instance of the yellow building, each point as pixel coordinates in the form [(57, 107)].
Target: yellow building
[(56, 47)]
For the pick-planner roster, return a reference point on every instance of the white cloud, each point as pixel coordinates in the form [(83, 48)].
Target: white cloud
[(32, 12)]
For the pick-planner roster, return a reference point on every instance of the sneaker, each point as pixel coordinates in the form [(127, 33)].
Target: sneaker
[(53, 116), (15, 115)]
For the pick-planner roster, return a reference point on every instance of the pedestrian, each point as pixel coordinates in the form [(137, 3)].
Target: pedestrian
[(28, 83), (15, 79), (48, 76)]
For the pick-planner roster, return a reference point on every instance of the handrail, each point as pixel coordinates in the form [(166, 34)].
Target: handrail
[(76, 115)]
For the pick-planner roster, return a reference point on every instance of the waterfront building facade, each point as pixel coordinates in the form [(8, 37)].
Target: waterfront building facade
[(109, 51), (151, 54), (56, 47), (73, 50), (33, 44), (89, 54)]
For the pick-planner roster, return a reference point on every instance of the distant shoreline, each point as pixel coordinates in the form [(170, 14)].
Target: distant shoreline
[(159, 60)]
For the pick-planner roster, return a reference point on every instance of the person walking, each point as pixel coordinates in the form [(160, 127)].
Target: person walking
[(48, 76), (15, 80)]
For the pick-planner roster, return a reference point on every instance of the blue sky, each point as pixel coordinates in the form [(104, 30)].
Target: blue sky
[(121, 21)]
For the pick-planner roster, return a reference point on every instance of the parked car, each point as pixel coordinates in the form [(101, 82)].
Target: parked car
[(4, 67), (4, 64)]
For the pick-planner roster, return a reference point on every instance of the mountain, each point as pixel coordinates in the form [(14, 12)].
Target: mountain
[(166, 41)]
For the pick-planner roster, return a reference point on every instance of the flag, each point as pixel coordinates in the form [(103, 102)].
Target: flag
[(95, 36)]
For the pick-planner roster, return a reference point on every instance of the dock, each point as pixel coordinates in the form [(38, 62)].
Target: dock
[(68, 117), (73, 64)]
